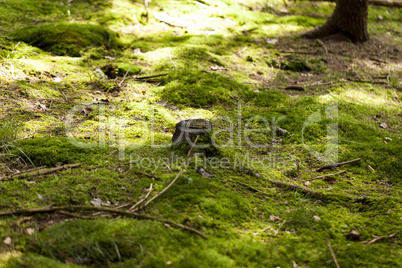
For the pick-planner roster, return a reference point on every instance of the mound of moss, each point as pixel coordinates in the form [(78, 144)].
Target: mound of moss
[(67, 38), (196, 88), (52, 151)]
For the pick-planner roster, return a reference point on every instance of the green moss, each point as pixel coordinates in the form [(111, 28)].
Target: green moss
[(55, 151), (199, 89), (67, 38)]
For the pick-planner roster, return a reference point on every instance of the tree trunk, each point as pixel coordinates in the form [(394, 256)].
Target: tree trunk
[(349, 18)]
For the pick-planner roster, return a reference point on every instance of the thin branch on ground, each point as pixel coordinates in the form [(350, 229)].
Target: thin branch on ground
[(142, 200), (99, 209), (175, 179), (124, 77), (28, 170), (170, 56), (327, 175), (330, 166), (166, 165), (146, 9), (332, 254), (148, 175), (378, 238), (66, 213), (323, 46), (296, 187), (149, 76), (39, 172)]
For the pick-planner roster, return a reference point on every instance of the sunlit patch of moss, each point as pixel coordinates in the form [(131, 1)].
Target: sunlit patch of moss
[(200, 89), (67, 38)]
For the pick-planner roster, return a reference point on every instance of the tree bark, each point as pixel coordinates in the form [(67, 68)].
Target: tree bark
[(349, 18)]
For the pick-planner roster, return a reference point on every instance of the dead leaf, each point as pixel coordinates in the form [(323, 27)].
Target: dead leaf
[(316, 218), (274, 218), (166, 224), (97, 202), (30, 231), (7, 240), (307, 183)]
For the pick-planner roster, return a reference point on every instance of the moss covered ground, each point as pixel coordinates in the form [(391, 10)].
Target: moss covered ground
[(100, 83)]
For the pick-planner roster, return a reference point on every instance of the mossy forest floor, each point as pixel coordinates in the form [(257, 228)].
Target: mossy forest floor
[(63, 100)]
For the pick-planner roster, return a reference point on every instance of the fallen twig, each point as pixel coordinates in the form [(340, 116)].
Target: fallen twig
[(296, 187), (330, 166), (327, 175), (124, 77), (165, 18), (26, 171), (146, 9), (319, 84), (66, 213), (381, 237), (150, 76), (142, 200), (323, 45), (148, 175), (332, 254), (39, 172), (175, 179), (170, 56), (99, 209)]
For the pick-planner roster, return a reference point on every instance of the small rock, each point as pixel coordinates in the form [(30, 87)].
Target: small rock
[(380, 17), (383, 125), (353, 235), (316, 218), (307, 183), (30, 231), (187, 129), (137, 51), (7, 240)]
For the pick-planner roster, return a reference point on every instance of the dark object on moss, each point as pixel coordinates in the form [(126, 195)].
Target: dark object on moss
[(113, 71), (296, 65), (186, 132), (67, 38), (295, 87)]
